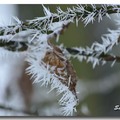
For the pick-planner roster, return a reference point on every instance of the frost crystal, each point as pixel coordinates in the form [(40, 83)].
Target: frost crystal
[(41, 70)]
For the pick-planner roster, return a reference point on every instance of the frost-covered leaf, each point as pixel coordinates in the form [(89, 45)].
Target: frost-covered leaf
[(51, 67)]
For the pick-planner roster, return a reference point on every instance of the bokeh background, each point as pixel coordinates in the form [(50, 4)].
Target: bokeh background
[(98, 88)]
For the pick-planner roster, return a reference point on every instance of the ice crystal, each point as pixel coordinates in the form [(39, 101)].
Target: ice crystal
[(44, 74)]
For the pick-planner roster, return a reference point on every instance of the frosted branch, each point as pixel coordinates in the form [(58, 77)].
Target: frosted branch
[(86, 13), (51, 22), (25, 113), (98, 52), (20, 41)]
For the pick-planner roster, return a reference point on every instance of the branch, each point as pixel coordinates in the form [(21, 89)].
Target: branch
[(86, 13), (105, 57), (19, 111), (14, 45), (20, 44), (28, 30), (98, 52)]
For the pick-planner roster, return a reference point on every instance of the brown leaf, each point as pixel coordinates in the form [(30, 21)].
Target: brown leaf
[(62, 67)]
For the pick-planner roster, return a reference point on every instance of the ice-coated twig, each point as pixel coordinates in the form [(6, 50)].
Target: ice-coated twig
[(25, 31), (98, 51), (86, 13), (103, 57), (24, 113), (20, 41)]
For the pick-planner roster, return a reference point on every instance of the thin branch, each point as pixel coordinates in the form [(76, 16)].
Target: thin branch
[(25, 31), (78, 12), (105, 57), (98, 52), (23, 45), (19, 111), (14, 45)]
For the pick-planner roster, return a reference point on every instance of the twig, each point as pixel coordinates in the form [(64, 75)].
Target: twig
[(23, 45), (79, 12), (21, 31), (105, 57), (19, 111)]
